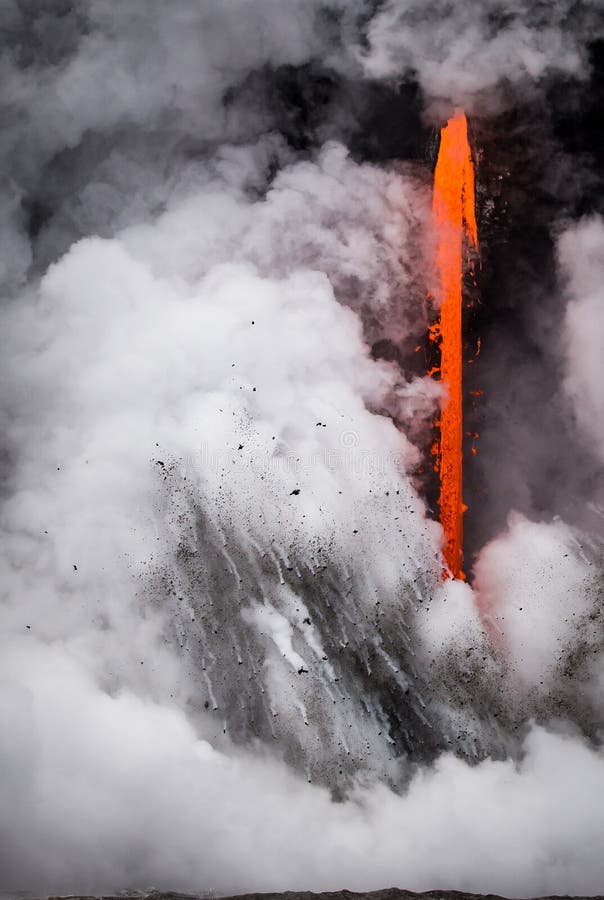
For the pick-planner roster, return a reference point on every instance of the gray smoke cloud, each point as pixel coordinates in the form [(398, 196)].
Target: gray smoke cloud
[(470, 53), (229, 661), (102, 105), (581, 258)]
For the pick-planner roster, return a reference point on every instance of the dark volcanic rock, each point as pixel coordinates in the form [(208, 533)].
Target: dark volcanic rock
[(388, 894)]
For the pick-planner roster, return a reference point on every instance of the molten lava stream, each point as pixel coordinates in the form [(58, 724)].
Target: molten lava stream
[(455, 219)]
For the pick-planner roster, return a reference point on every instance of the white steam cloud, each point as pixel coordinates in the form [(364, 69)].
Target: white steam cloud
[(460, 50), (581, 255), (228, 659)]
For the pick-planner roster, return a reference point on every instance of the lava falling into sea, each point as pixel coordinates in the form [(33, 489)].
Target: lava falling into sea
[(455, 223)]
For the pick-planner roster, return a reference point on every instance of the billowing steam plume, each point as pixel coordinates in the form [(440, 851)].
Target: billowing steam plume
[(229, 660)]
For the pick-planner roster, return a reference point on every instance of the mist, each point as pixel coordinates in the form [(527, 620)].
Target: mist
[(230, 660)]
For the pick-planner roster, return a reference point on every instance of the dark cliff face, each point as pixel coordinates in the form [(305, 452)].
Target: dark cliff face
[(539, 169), (539, 166)]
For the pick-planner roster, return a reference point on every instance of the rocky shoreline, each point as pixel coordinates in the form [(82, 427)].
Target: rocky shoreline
[(389, 894)]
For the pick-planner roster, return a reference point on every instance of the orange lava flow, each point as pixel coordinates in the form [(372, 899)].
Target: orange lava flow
[(455, 222)]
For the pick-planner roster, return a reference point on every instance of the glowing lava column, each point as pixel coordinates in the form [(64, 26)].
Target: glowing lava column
[(455, 222)]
